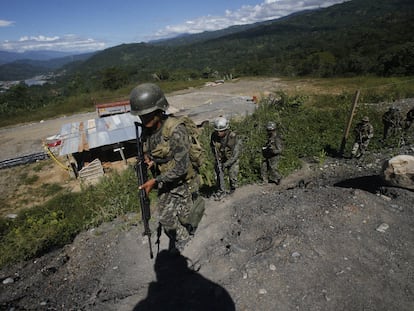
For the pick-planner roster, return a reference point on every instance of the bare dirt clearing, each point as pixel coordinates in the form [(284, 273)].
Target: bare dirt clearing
[(330, 237)]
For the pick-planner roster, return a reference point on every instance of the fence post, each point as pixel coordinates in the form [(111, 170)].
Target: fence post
[(348, 127)]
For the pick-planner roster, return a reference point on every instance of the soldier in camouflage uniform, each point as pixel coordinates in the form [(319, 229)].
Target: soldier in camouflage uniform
[(392, 121), (171, 168), (228, 146), (409, 119), (363, 134), (271, 152)]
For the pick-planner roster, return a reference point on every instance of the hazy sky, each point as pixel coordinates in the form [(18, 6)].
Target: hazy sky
[(88, 25)]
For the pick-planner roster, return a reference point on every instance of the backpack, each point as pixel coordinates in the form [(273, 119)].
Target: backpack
[(196, 152)]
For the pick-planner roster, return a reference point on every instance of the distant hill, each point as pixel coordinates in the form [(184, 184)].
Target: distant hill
[(37, 63), (358, 37), (352, 38), (8, 57)]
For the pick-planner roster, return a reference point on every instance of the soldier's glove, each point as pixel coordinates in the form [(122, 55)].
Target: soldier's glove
[(226, 164)]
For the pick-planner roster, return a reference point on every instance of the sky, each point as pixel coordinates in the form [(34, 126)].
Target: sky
[(90, 25)]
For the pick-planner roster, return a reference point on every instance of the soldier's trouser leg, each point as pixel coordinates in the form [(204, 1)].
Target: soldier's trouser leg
[(233, 175), (274, 175), (364, 146), (220, 187), (264, 171), (355, 149), (174, 205)]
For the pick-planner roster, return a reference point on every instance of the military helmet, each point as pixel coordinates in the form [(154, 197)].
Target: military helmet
[(271, 126), (146, 98), (221, 124), (365, 119)]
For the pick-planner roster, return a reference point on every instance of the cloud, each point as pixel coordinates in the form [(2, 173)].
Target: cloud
[(248, 14), (65, 43), (4, 23)]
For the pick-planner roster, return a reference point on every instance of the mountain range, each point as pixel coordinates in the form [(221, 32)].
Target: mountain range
[(354, 37)]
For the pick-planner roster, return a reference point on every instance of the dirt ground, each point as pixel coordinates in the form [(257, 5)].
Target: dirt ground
[(331, 236)]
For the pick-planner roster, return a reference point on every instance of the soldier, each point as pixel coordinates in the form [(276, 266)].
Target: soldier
[(271, 152), (168, 159), (392, 121), (363, 134), (409, 119), (227, 146)]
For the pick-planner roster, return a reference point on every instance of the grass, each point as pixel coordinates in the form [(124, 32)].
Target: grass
[(311, 124)]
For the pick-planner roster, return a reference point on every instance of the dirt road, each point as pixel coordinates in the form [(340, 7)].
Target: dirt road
[(230, 99)]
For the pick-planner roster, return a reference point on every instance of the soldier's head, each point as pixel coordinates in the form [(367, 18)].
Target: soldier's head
[(221, 125), (365, 119), (149, 103), (271, 126)]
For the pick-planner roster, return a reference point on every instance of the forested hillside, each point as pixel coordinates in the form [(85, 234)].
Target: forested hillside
[(355, 38)]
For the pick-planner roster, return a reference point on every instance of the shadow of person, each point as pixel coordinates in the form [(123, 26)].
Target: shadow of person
[(179, 287)]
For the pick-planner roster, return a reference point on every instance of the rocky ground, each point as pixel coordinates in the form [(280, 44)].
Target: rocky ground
[(331, 236)]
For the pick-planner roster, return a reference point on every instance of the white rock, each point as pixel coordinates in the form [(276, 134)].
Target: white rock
[(382, 227), (399, 171), (8, 281)]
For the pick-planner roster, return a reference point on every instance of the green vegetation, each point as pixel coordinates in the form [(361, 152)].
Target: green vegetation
[(355, 38), (23, 104), (38, 229), (311, 126)]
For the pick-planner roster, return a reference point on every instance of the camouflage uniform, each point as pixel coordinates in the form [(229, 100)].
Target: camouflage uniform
[(174, 194), (392, 121), (409, 119), (228, 148), (363, 134), (271, 152)]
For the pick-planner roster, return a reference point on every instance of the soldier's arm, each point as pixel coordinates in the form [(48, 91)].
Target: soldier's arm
[(276, 146)]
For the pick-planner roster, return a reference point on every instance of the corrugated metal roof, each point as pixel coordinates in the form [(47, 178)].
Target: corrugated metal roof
[(93, 133)]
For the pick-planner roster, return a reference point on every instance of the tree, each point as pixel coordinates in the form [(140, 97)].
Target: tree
[(113, 78)]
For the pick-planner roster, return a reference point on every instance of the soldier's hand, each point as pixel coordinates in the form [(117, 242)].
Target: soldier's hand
[(148, 186), (148, 161)]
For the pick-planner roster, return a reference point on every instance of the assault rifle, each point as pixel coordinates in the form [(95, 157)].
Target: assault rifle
[(220, 171), (142, 174)]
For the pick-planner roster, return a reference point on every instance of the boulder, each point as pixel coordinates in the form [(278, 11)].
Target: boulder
[(399, 171)]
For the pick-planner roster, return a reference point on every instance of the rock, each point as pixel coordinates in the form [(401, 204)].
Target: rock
[(382, 227), (399, 171), (8, 281)]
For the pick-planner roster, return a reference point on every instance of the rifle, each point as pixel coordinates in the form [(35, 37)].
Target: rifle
[(142, 174), (220, 171)]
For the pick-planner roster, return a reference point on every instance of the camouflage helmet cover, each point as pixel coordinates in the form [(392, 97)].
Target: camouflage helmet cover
[(271, 126), (365, 119), (221, 124), (146, 98)]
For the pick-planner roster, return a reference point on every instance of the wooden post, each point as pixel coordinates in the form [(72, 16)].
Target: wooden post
[(348, 127)]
